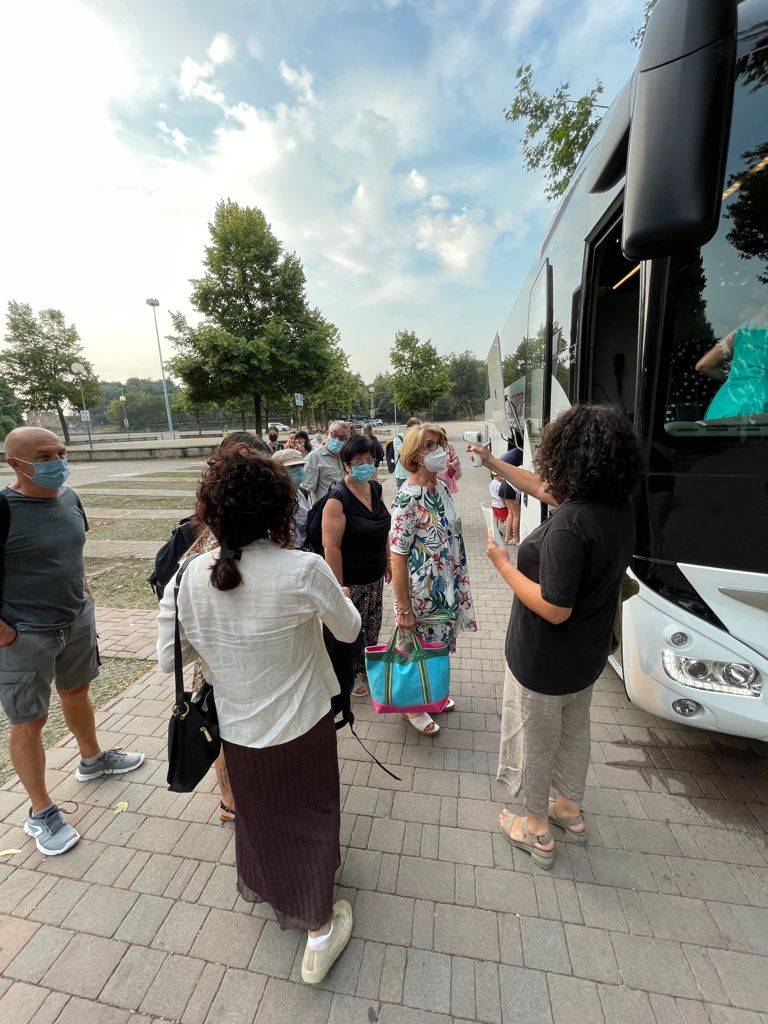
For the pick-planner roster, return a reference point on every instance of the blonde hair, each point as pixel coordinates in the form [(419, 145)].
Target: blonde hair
[(413, 440)]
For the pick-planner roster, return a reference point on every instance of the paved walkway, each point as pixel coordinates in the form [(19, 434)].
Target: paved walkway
[(662, 918)]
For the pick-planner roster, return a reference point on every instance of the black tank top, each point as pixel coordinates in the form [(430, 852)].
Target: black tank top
[(364, 545)]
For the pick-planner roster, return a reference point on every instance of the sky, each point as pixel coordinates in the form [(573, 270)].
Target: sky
[(370, 132)]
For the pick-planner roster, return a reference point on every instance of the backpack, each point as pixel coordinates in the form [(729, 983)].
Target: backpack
[(170, 554), (389, 454), (5, 527), (314, 541)]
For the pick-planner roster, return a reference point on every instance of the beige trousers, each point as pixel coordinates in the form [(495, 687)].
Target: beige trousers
[(544, 744)]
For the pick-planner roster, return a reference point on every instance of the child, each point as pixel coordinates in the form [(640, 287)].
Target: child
[(504, 508)]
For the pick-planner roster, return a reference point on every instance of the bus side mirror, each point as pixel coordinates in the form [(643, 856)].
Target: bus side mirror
[(680, 125)]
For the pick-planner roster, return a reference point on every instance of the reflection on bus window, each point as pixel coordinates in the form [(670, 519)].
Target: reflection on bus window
[(744, 391), (718, 380)]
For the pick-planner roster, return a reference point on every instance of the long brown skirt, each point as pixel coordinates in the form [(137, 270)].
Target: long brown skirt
[(287, 824)]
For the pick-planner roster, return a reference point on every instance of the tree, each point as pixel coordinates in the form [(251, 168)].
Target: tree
[(38, 361), (420, 375), (259, 337), (558, 127), (384, 397), (11, 410), (182, 402)]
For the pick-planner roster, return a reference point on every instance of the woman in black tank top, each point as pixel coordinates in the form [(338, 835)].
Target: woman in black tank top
[(356, 525)]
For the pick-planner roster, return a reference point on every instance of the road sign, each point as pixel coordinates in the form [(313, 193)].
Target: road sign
[(298, 399), (85, 415)]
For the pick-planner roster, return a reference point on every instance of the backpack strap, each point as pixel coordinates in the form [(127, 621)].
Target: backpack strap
[(82, 513), (177, 666), (5, 526), (5, 519)]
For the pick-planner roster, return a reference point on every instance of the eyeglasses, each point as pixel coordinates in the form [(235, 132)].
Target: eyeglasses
[(431, 446)]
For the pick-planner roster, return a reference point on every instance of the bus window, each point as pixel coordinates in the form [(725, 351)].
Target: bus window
[(716, 343), (531, 357)]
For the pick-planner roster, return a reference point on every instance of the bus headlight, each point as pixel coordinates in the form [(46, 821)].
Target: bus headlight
[(717, 676)]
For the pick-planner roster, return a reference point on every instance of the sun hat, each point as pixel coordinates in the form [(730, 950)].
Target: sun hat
[(288, 457)]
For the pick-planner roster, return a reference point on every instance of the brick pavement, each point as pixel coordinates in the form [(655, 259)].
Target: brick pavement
[(662, 917)]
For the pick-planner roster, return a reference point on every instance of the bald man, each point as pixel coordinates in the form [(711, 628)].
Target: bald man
[(47, 627)]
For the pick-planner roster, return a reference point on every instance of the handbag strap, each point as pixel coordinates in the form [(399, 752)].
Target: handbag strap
[(178, 668)]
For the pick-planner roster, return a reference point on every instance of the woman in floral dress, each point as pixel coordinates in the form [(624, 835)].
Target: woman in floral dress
[(430, 578)]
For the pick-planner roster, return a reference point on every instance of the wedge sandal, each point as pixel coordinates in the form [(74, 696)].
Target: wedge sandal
[(567, 825), (530, 844)]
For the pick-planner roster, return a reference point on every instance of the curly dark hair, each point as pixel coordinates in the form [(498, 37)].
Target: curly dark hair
[(244, 497), (590, 453)]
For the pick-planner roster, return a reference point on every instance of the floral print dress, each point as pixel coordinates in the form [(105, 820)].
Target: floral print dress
[(427, 529)]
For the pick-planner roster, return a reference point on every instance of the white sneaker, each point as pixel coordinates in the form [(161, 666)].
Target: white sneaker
[(317, 962)]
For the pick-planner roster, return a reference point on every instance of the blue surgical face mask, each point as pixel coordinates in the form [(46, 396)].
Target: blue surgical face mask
[(335, 445), (296, 474), (363, 473), (50, 474)]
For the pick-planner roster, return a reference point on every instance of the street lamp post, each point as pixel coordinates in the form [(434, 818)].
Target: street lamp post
[(370, 392), (154, 304), (126, 421), (80, 371)]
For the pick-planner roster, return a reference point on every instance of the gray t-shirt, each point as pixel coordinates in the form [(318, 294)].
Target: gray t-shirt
[(43, 577)]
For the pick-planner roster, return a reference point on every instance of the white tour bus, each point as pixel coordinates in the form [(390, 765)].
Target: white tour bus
[(657, 254)]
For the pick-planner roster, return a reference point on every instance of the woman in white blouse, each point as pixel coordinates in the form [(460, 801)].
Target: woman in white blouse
[(253, 611)]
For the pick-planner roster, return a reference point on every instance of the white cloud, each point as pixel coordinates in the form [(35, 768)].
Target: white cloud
[(299, 80), (222, 48), (416, 181), (438, 202), (460, 240), (194, 81)]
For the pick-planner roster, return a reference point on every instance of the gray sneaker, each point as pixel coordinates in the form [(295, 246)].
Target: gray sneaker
[(110, 762), (51, 833)]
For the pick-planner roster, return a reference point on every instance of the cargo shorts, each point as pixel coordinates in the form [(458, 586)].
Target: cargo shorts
[(39, 657)]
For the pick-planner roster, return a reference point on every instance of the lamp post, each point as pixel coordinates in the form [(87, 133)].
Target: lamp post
[(126, 421), (80, 371), (370, 392), (154, 304)]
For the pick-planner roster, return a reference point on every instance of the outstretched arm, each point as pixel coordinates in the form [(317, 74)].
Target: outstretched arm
[(711, 364), (523, 479)]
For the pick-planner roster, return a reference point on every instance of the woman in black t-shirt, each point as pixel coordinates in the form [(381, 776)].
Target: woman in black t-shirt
[(566, 586), (356, 525)]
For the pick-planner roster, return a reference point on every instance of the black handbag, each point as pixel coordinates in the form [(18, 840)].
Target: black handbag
[(193, 731)]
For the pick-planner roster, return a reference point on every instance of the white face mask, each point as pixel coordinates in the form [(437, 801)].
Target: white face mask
[(435, 461)]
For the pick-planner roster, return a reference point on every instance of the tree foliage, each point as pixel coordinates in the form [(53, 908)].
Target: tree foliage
[(37, 361), (259, 338), (420, 376), (557, 128), (11, 409)]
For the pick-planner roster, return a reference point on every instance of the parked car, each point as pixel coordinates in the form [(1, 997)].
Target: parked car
[(376, 423), (359, 424), (280, 427)]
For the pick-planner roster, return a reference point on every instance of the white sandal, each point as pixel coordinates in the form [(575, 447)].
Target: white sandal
[(422, 722)]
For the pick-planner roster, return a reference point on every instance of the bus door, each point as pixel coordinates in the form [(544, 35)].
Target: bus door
[(527, 393), (609, 365)]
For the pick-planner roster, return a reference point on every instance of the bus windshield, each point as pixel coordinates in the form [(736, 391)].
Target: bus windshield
[(716, 345)]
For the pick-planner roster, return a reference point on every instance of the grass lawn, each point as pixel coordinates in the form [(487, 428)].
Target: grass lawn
[(141, 483), (133, 529), (116, 675), (137, 501), (125, 585)]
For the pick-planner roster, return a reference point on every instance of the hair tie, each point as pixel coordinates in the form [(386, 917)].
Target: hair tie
[(228, 552)]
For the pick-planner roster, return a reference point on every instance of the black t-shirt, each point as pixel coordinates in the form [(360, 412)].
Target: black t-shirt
[(364, 545), (578, 556)]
